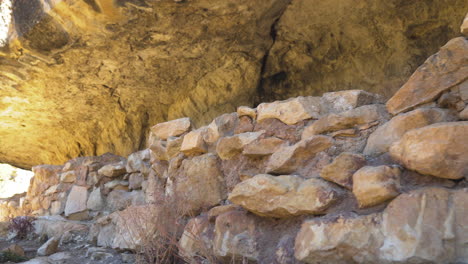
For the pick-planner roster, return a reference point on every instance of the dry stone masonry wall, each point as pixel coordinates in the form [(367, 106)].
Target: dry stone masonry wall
[(341, 178)]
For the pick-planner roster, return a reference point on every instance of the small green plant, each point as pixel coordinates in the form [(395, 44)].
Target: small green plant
[(10, 256), (22, 226)]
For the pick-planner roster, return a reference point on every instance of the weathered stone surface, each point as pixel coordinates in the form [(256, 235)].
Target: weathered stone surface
[(139, 162), (263, 147), (341, 170), (49, 247), (56, 226), (68, 177), (197, 237), (76, 201), (95, 201), (198, 183), (121, 199), (236, 236), (288, 158), (228, 147), (375, 185), (193, 143), (220, 127), (380, 140), (323, 46), (358, 116), (464, 26), (135, 180), (290, 111), (15, 249), (283, 196), (439, 150), (440, 72), (116, 185), (425, 226), (343, 240), (45, 176), (171, 128), (337, 102), (464, 114), (113, 170), (247, 111)]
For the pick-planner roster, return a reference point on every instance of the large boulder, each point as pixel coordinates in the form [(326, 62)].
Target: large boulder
[(440, 150), (283, 196), (290, 111), (380, 140), (439, 73)]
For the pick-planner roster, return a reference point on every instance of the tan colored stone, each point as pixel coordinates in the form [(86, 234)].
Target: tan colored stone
[(375, 185), (121, 199), (288, 158), (228, 147), (57, 207), (263, 147), (381, 139), (219, 210), (68, 177), (424, 226), (236, 236), (117, 185), (439, 73), (197, 238), (358, 116), (247, 111), (193, 143), (283, 196), (337, 102), (76, 201), (464, 26), (171, 128), (439, 150), (198, 183), (290, 111), (49, 247), (15, 249), (341, 170), (463, 90), (113, 170), (139, 162), (221, 126), (343, 240), (464, 114)]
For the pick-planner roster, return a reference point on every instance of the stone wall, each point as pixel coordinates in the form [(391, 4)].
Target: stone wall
[(86, 77), (341, 178)]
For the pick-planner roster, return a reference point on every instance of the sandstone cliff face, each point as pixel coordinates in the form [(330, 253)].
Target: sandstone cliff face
[(88, 77)]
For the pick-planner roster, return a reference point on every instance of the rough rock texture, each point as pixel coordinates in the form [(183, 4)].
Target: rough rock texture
[(341, 170), (170, 59), (439, 73), (283, 196), (439, 150)]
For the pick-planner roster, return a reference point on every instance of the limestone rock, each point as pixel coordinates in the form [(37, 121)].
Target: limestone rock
[(263, 147), (139, 162), (197, 237), (290, 111), (374, 185), (113, 170), (198, 183), (358, 116), (380, 140), (95, 201), (464, 114), (283, 196), (424, 226), (341, 170), (49, 247), (221, 126), (236, 236), (439, 150), (247, 111), (135, 180), (343, 240), (116, 185), (68, 177), (193, 143), (288, 158), (172, 128), (121, 199), (228, 147), (439, 73), (464, 26), (342, 101), (76, 201)]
